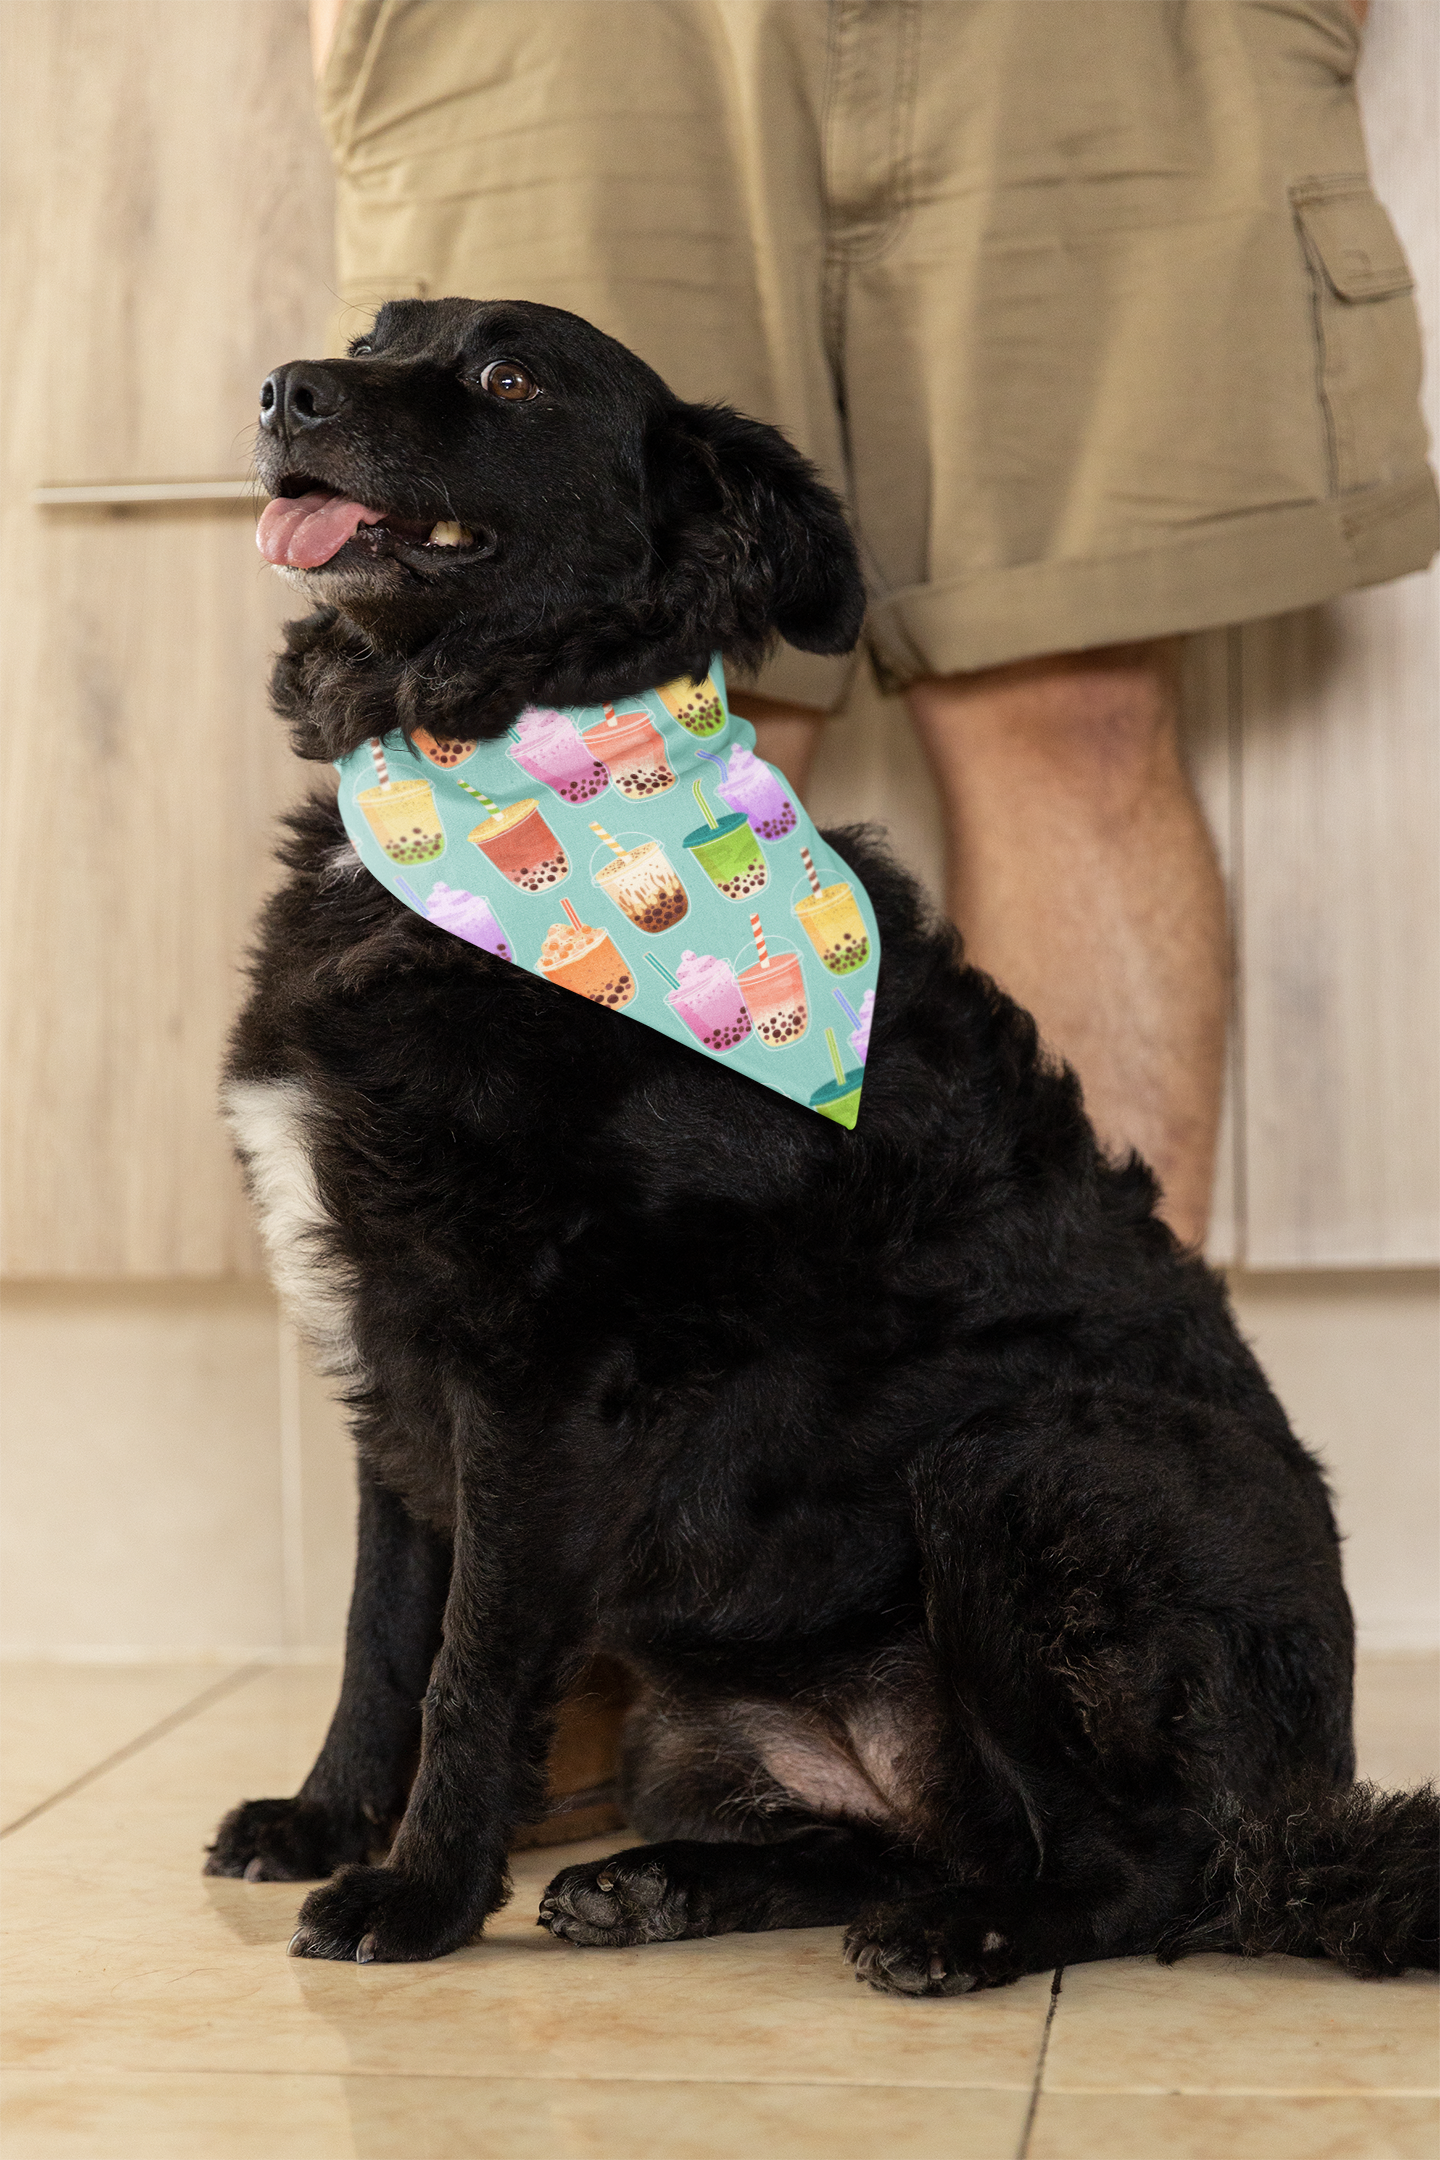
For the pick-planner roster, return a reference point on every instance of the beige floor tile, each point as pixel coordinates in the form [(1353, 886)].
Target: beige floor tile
[(227, 2116), (123, 1957), (1241, 2025), (58, 1721), (1130, 2126), (1397, 1717)]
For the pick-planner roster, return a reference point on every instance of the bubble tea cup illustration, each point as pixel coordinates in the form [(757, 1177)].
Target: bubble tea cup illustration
[(639, 877), (754, 788), (727, 851), (549, 748), (443, 750), (630, 747), (466, 915), (839, 1098), (519, 843), (705, 995), (581, 958), (698, 706), (833, 923), (401, 814), (774, 993)]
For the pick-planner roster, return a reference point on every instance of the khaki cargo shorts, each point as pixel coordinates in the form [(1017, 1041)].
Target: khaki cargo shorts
[(1086, 306)]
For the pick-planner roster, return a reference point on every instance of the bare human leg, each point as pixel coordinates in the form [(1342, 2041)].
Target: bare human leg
[(1083, 878)]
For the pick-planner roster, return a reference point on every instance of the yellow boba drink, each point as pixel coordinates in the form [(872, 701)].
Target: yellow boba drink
[(403, 818), (698, 706), (835, 927)]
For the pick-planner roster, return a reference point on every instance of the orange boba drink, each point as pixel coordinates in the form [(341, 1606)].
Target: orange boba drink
[(403, 818), (581, 958), (630, 748), (522, 847), (835, 927)]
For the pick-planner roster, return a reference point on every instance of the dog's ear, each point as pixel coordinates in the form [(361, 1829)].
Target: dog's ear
[(746, 519)]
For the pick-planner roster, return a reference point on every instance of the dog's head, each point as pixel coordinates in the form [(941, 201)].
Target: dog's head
[(496, 504)]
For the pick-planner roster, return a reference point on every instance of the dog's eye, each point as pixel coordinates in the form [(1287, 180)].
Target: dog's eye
[(361, 349), (507, 379)]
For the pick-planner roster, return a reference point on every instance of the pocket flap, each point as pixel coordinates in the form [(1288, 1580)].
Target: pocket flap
[(1355, 242)]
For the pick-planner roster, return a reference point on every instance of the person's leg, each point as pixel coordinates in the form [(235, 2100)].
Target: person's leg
[(1084, 880)]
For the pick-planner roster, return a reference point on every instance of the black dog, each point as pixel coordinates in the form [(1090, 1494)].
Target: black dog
[(979, 1595)]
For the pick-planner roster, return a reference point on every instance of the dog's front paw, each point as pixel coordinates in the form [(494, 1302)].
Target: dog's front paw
[(931, 1946), (629, 1899), (377, 1916), (285, 1841)]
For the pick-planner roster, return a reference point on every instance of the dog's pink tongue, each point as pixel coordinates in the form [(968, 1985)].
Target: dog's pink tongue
[(306, 530)]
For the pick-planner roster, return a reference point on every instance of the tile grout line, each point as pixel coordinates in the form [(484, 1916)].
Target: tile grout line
[(1022, 2149), (214, 1693)]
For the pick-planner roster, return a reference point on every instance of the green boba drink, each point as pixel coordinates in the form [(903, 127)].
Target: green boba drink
[(730, 855), (840, 1099)]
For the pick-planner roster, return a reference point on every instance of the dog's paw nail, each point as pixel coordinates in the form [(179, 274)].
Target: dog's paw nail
[(365, 1950), (605, 1882), (255, 1871), (290, 1949), (937, 1968)]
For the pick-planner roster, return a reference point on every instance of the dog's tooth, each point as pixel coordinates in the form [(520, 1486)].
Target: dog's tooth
[(448, 534)]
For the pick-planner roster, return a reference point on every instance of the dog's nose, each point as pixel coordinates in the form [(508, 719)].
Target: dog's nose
[(298, 396)]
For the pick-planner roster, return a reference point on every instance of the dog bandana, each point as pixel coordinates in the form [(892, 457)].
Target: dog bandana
[(641, 855)]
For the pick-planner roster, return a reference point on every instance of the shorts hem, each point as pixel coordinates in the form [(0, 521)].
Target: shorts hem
[(1235, 570)]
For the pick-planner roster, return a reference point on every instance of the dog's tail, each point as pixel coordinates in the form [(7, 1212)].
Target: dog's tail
[(1352, 1875)]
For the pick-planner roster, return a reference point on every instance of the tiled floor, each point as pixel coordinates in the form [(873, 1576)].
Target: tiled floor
[(153, 2015)]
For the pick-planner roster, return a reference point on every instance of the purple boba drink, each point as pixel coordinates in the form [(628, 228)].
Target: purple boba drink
[(754, 788), (707, 998), (470, 916), (550, 750)]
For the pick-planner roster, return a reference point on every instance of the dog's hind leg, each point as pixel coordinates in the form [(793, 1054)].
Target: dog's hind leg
[(1134, 1607), (355, 1794)]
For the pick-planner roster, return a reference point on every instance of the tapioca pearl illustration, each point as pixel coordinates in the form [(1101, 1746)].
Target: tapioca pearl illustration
[(698, 706), (443, 750)]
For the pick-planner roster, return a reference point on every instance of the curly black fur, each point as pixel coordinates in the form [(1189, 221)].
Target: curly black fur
[(1352, 1875), (979, 1596)]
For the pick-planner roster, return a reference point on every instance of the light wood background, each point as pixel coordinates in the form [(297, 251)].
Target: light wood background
[(170, 241)]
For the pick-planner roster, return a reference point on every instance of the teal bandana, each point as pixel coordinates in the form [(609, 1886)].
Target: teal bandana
[(641, 855)]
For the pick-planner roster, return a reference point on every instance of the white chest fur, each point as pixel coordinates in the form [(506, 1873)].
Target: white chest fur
[(269, 1120)]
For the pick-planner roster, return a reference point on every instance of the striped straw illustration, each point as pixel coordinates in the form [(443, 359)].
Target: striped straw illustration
[(759, 936), (811, 872), (381, 768), (609, 838), (493, 808)]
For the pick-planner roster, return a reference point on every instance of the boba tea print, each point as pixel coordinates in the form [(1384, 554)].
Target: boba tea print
[(642, 856)]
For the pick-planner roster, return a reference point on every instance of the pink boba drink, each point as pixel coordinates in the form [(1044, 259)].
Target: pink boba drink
[(754, 788), (707, 998), (551, 750), (470, 916)]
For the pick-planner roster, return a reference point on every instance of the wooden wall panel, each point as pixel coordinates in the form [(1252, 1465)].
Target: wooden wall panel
[(177, 243), (1340, 789)]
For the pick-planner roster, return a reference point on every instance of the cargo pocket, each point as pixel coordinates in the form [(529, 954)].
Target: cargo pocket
[(1366, 333)]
